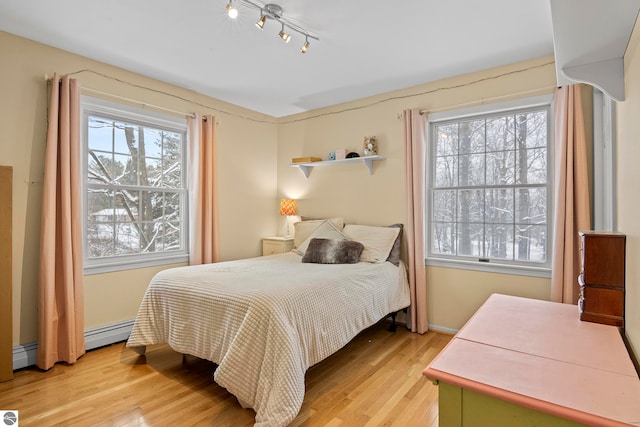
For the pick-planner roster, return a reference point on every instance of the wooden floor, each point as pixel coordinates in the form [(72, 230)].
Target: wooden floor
[(376, 380)]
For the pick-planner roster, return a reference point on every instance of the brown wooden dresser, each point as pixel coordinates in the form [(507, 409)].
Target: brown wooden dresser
[(602, 277)]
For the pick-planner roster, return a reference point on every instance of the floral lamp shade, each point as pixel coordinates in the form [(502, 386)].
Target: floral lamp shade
[(287, 207)]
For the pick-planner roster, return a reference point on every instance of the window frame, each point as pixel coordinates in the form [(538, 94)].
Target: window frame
[(130, 114), (469, 263)]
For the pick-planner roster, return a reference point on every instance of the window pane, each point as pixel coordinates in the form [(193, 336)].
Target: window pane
[(500, 133), (172, 236), (501, 168), (100, 133), (532, 166), (172, 204), (125, 170), (444, 205), (152, 142), (125, 138), (171, 160), (470, 239), (446, 171), (471, 137), (443, 238), (101, 215), (499, 241), (499, 205), (127, 238), (531, 243), (471, 206), (153, 177), (99, 167), (531, 129), (531, 205), (471, 170), (447, 140)]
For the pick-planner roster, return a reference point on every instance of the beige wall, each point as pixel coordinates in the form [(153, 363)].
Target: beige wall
[(349, 191), (627, 180), (254, 153), (246, 167)]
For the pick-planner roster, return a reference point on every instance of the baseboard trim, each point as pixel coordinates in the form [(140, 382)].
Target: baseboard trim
[(25, 355), (442, 329)]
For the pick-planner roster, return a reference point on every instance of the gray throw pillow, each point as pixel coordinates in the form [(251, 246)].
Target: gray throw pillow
[(333, 251)]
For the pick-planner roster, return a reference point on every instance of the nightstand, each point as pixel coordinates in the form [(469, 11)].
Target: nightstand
[(276, 245)]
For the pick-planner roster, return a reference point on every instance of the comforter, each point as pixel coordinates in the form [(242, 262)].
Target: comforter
[(264, 321)]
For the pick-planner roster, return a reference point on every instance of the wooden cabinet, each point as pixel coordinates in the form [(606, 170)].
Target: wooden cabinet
[(276, 245), (601, 277)]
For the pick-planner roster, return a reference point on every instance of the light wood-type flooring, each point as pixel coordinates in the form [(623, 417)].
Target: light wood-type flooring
[(376, 380)]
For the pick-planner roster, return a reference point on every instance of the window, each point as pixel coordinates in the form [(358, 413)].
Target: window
[(135, 210), (489, 187)]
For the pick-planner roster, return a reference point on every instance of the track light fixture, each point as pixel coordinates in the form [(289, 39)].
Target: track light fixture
[(274, 12), (305, 46), (232, 12), (284, 36)]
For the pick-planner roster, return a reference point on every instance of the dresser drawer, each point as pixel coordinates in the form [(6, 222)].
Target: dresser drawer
[(602, 305)]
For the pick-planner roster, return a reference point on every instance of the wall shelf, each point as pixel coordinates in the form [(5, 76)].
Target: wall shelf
[(589, 47), (367, 160)]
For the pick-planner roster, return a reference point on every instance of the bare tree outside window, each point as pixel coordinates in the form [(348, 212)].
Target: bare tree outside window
[(489, 185), (135, 188)]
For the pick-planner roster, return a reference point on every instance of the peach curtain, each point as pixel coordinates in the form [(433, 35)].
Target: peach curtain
[(414, 149), (572, 206), (61, 300), (203, 200)]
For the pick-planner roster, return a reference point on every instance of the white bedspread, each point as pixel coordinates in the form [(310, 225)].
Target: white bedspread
[(266, 320)]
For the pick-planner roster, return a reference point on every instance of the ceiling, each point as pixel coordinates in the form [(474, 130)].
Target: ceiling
[(366, 47)]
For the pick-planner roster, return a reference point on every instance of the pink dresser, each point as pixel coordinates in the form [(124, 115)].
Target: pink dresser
[(526, 362)]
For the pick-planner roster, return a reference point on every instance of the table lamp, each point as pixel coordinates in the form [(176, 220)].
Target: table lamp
[(288, 208)]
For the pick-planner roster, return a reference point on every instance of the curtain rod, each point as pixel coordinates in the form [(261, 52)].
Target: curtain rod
[(484, 100), (135, 101)]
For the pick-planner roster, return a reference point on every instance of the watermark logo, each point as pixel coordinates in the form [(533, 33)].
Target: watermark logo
[(9, 418)]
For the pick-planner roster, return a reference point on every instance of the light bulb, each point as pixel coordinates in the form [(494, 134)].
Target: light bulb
[(284, 36), (305, 46), (232, 11)]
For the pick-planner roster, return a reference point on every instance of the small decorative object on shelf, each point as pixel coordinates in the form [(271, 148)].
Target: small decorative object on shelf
[(331, 156), (341, 153), (370, 146), (352, 154)]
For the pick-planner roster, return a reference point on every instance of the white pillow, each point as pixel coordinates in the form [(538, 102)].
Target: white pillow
[(303, 229), (377, 241), (326, 230)]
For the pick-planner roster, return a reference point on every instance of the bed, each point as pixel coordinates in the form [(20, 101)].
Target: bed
[(264, 321)]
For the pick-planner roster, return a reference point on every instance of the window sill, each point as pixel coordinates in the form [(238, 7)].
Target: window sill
[(491, 267), (130, 264)]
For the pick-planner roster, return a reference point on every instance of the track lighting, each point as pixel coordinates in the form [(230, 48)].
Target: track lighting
[(274, 12), (305, 46), (232, 11), (284, 36)]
